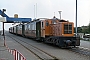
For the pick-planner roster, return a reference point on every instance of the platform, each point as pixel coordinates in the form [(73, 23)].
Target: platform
[(19, 51), (4, 53)]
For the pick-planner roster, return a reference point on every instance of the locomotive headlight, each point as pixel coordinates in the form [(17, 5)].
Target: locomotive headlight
[(62, 34), (68, 42)]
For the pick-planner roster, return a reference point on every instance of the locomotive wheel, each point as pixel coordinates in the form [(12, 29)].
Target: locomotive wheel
[(57, 42), (42, 39)]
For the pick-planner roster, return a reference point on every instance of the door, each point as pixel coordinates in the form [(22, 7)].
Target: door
[(38, 29), (23, 29)]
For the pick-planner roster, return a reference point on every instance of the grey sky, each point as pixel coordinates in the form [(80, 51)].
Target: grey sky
[(46, 9)]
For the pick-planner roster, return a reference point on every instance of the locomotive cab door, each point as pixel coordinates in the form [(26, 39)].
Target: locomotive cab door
[(38, 29)]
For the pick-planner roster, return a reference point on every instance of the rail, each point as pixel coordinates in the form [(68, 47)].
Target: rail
[(51, 57)]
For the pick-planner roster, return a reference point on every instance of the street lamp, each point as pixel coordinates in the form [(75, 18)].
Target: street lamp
[(60, 14)]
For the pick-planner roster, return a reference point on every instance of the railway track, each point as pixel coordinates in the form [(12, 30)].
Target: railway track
[(39, 53), (81, 51), (77, 50)]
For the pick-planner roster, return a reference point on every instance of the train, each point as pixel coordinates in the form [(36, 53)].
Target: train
[(52, 31)]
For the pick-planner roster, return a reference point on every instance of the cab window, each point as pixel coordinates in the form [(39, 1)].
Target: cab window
[(47, 23), (54, 22)]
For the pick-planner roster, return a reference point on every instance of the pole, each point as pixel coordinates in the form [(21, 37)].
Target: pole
[(3, 28), (36, 10), (4, 35), (60, 14), (76, 17)]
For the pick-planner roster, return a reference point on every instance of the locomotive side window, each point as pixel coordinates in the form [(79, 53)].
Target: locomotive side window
[(47, 23)]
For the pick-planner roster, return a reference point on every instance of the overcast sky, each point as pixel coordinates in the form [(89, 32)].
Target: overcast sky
[(46, 9)]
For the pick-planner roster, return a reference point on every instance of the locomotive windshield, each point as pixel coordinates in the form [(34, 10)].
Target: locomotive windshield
[(67, 28)]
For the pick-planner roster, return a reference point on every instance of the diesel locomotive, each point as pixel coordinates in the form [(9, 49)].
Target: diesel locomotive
[(53, 31)]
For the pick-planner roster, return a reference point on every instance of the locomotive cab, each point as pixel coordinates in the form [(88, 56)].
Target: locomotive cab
[(60, 33)]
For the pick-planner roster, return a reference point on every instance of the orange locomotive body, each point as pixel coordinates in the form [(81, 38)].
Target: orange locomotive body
[(60, 29), (57, 28), (58, 32)]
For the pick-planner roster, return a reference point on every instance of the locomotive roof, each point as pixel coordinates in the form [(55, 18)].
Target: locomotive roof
[(40, 19), (63, 21)]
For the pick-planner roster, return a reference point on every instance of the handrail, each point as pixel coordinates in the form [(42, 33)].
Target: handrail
[(17, 55)]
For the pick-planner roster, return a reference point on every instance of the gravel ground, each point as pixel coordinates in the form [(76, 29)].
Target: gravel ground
[(85, 44), (63, 54)]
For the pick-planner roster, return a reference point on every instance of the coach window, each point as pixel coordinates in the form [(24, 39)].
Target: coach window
[(47, 23), (42, 24), (29, 26)]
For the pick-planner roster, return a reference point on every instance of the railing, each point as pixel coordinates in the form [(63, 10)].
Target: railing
[(17, 55)]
